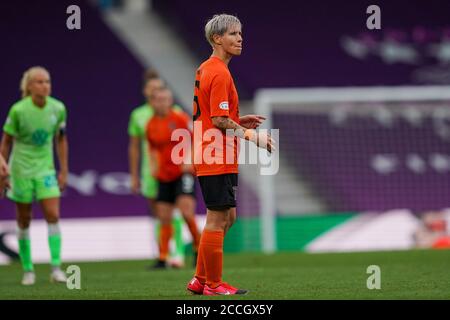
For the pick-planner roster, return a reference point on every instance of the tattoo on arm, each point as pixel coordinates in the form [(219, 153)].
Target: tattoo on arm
[(225, 123)]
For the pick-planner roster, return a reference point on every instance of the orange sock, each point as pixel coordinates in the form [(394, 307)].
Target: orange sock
[(212, 249), (192, 225), (165, 234), (200, 271)]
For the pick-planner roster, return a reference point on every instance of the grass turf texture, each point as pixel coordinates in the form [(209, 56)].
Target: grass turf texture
[(416, 274)]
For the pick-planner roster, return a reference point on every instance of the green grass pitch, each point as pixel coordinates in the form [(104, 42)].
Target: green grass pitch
[(416, 274)]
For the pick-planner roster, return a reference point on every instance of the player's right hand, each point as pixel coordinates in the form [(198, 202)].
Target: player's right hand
[(135, 185), (62, 180)]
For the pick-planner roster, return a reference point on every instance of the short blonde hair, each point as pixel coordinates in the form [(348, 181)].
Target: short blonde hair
[(219, 24), (26, 78)]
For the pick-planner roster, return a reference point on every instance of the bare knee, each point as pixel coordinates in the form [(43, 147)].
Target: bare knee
[(164, 212), (165, 220), (24, 222), (50, 207), (23, 213), (216, 220), (186, 204), (231, 221), (52, 216)]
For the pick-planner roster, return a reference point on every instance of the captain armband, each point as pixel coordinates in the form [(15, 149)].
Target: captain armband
[(62, 129)]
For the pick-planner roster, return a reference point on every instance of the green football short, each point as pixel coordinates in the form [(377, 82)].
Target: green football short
[(149, 187), (25, 190)]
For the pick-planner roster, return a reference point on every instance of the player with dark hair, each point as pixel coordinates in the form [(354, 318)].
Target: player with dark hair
[(176, 182), (142, 181)]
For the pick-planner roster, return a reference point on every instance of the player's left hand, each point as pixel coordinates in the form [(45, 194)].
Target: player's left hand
[(251, 121), (62, 180), (4, 169), (4, 177), (4, 185)]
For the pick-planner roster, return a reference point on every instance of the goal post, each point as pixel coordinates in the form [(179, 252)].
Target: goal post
[(416, 115)]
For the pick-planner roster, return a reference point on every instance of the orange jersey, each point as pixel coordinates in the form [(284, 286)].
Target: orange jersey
[(214, 95), (159, 132)]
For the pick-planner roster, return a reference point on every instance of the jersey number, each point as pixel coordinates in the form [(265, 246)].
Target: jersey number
[(197, 113)]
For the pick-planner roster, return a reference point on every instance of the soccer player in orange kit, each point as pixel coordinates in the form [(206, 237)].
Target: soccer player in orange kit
[(176, 181), (216, 107)]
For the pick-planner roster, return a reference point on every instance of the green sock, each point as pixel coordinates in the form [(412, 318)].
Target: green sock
[(177, 224), (23, 236), (54, 243)]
